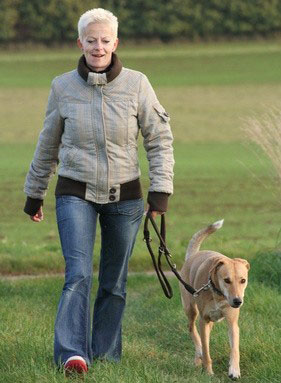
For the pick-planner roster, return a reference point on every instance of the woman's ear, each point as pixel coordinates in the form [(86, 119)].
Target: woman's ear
[(79, 44), (115, 44)]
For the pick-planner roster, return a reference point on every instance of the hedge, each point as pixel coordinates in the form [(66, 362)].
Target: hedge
[(51, 21)]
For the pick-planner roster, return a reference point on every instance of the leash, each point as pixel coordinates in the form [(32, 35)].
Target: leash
[(163, 250)]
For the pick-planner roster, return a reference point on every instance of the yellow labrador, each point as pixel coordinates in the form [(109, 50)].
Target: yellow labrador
[(225, 280)]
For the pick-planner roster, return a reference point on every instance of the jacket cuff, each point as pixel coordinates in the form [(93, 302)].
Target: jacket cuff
[(32, 206), (158, 201)]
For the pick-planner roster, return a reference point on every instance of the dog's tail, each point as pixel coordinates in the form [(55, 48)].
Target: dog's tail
[(198, 238)]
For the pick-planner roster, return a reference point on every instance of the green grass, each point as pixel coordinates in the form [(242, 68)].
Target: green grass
[(177, 65), (156, 346), (266, 269)]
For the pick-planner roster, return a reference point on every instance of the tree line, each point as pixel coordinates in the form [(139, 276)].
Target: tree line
[(49, 21)]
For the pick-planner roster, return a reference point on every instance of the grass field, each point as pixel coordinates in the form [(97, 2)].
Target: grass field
[(156, 344), (209, 90)]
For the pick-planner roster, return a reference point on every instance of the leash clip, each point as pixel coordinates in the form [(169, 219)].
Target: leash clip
[(203, 288), (146, 236), (164, 251), (161, 250), (147, 239)]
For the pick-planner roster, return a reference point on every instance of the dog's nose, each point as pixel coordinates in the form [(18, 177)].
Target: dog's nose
[(237, 302)]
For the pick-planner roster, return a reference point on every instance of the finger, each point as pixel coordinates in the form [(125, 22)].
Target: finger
[(35, 218), (154, 213)]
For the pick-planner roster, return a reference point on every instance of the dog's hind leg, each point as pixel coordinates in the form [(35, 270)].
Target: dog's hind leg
[(205, 331), (192, 314)]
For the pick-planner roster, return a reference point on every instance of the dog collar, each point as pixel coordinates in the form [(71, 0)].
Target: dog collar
[(207, 286), (214, 288)]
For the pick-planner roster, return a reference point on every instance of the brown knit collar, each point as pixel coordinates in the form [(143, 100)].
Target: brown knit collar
[(111, 72)]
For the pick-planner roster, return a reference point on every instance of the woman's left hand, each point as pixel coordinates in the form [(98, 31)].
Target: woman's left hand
[(153, 213)]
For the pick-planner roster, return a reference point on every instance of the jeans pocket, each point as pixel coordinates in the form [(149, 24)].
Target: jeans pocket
[(67, 203), (65, 199), (130, 207)]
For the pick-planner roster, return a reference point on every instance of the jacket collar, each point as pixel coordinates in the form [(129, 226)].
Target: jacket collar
[(99, 78)]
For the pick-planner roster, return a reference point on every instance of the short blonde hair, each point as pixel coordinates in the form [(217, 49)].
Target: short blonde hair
[(97, 15)]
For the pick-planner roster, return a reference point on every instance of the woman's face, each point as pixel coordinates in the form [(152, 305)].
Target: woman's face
[(97, 44)]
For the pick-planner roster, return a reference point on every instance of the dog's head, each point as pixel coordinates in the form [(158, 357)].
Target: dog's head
[(231, 278)]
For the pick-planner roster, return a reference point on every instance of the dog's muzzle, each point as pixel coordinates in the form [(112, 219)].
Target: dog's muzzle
[(236, 303)]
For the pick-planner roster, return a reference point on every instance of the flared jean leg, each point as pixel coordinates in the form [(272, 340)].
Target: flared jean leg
[(118, 229), (77, 227)]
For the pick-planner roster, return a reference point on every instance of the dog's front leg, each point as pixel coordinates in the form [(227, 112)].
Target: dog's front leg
[(205, 331), (192, 315), (233, 332)]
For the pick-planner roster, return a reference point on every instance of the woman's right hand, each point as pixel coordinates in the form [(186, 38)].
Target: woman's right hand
[(38, 217)]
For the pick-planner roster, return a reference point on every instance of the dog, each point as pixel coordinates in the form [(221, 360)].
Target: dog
[(225, 282)]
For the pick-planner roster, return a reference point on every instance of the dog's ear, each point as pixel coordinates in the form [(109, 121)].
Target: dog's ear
[(217, 263), (246, 263)]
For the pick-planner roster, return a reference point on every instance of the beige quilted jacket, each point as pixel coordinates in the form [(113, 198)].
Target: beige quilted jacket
[(91, 130)]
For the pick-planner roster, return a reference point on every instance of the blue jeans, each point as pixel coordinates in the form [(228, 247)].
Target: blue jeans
[(77, 221)]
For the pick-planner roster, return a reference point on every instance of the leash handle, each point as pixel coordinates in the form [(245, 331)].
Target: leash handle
[(166, 287), (163, 250)]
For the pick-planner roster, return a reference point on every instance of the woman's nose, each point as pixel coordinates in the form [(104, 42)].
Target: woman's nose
[(98, 45)]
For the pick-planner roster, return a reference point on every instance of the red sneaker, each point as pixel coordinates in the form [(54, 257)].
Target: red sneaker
[(75, 365)]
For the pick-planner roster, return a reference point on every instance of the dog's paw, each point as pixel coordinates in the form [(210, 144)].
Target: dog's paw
[(198, 361), (234, 377), (234, 373), (210, 371)]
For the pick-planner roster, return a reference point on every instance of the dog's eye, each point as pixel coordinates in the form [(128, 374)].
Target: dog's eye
[(243, 280), (227, 280)]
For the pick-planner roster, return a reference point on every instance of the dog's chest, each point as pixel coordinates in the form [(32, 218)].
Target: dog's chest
[(215, 311), (216, 315)]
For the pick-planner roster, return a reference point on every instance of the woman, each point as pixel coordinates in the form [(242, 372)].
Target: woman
[(93, 119)]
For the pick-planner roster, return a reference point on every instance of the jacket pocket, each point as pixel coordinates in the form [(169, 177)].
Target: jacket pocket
[(116, 116), (161, 112), (78, 125), (67, 155)]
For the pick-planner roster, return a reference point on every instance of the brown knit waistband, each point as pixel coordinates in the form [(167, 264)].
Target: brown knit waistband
[(67, 186)]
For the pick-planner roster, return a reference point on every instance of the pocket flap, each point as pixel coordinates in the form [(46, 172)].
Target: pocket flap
[(161, 112)]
